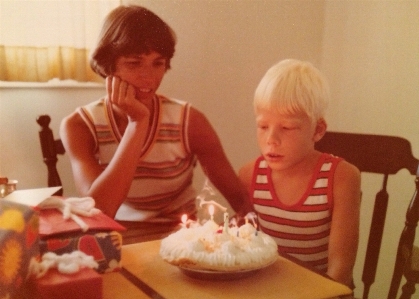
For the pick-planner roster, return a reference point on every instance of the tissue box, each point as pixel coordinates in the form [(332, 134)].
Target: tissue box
[(86, 283), (102, 241), (19, 241)]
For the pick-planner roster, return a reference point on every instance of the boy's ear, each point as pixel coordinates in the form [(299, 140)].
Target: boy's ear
[(320, 130)]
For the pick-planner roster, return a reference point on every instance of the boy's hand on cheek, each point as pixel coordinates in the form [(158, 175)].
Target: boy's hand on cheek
[(122, 95)]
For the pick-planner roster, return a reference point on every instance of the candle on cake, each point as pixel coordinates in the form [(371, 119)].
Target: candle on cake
[(225, 230), (211, 211), (184, 220)]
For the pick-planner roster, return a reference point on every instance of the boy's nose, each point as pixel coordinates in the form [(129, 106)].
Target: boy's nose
[(273, 138), (144, 74), (145, 71)]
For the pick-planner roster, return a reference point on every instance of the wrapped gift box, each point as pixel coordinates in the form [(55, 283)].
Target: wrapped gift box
[(18, 246), (86, 283), (102, 240), (105, 247)]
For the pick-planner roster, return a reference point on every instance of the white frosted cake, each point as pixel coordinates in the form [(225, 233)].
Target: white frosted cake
[(211, 247)]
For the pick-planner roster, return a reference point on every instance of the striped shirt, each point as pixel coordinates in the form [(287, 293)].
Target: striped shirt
[(301, 230), (161, 189)]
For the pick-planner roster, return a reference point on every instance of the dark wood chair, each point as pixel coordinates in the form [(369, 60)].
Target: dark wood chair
[(407, 258), (50, 149), (379, 154)]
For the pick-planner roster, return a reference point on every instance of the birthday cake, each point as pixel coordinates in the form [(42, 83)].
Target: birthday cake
[(211, 247)]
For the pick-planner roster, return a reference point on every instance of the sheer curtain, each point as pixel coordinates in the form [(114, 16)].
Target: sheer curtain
[(45, 39)]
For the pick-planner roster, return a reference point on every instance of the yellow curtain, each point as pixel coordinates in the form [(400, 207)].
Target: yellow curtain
[(42, 40)]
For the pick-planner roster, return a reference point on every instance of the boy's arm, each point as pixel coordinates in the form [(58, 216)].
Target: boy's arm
[(344, 234), (108, 187), (205, 144)]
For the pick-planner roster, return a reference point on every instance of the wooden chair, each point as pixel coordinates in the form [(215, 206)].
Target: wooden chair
[(50, 149), (378, 154), (407, 259)]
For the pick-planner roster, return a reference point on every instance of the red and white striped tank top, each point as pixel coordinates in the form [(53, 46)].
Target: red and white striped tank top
[(301, 230), (161, 189)]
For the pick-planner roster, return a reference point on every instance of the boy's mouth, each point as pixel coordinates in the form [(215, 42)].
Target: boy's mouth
[(145, 90), (273, 157)]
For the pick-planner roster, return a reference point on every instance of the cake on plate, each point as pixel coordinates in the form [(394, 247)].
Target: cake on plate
[(224, 249)]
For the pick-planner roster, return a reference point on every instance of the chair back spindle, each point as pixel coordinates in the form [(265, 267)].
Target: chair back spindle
[(375, 237), (50, 149), (407, 238), (377, 154)]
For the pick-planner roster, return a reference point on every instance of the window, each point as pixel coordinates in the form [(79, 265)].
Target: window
[(45, 39)]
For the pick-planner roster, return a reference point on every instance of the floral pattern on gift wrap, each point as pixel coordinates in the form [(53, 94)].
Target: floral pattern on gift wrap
[(18, 246), (10, 261), (116, 240), (12, 220)]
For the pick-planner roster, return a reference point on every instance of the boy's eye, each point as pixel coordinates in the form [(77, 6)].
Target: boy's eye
[(289, 128), (159, 63), (132, 63)]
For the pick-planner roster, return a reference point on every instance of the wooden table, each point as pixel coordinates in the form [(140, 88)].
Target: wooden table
[(116, 286), (284, 279)]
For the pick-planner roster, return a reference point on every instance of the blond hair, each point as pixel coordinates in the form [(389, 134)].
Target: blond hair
[(291, 87)]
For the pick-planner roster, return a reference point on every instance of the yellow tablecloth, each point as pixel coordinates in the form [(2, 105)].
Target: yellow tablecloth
[(282, 280)]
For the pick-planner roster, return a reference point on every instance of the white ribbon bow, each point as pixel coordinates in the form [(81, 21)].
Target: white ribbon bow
[(71, 207), (68, 263)]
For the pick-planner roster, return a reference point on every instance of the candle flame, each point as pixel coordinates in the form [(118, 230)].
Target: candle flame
[(252, 217), (184, 218)]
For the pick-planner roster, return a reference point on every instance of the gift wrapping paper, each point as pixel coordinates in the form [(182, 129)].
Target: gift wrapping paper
[(19, 244), (104, 246)]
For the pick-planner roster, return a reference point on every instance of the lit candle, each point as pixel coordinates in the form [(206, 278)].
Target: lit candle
[(251, 216), (225, 230), (184, 219), (211, 211)]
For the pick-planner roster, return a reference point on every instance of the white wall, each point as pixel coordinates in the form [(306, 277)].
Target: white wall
[(371, 57), (224, 48), (368, 49), (20, 151)]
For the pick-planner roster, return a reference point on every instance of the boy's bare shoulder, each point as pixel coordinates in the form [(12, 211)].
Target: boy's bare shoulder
[(74, 131), (345, 168), (72, 122), (71, 119), (347, 181)]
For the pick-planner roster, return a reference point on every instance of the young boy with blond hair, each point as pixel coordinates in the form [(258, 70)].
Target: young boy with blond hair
[(308, 201)]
